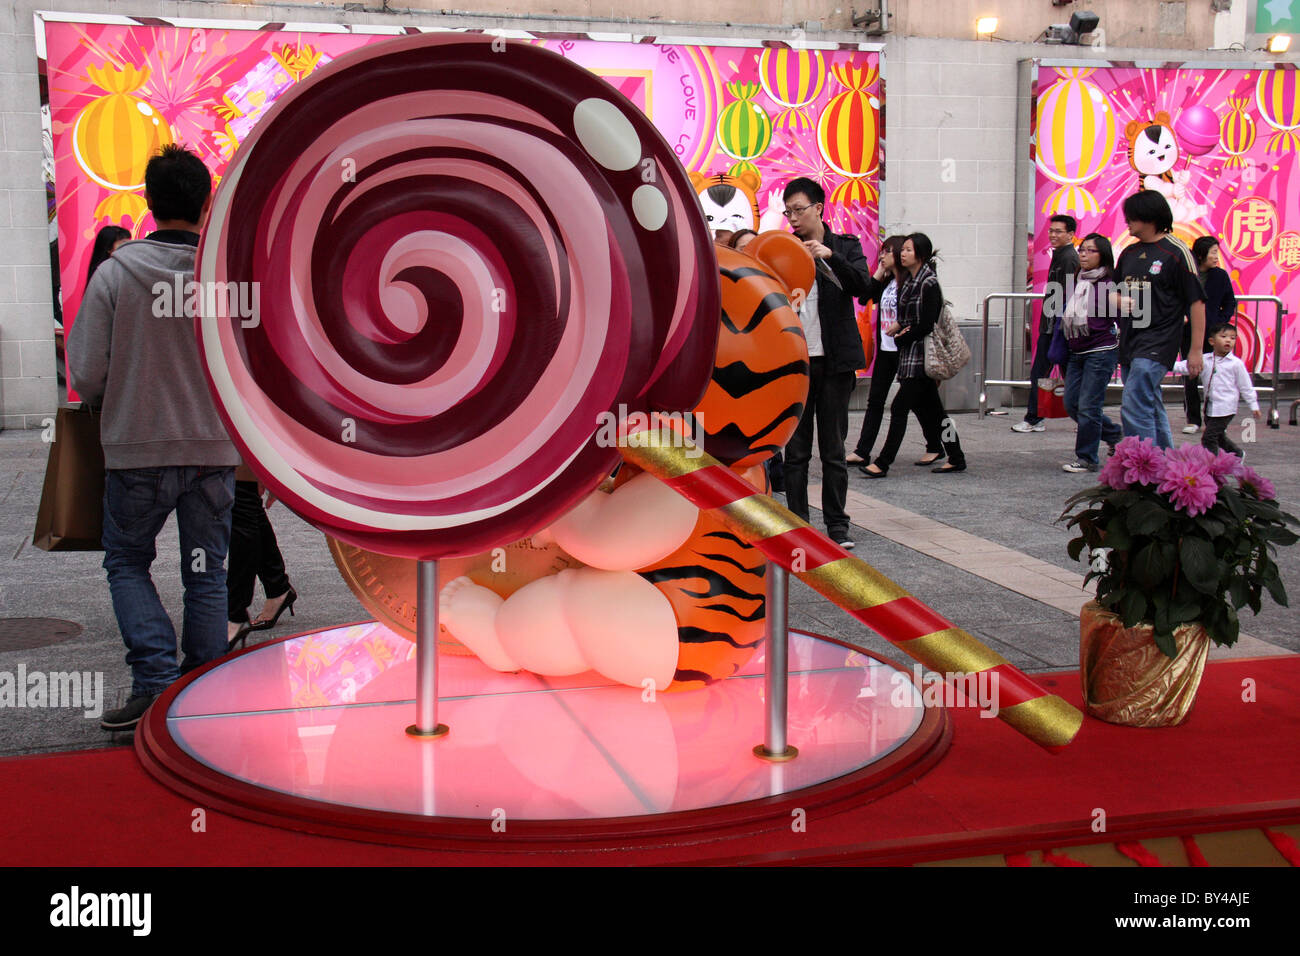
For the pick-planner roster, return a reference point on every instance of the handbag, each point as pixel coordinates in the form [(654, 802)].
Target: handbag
[(1058, 351), (71, 513), (946, 351)]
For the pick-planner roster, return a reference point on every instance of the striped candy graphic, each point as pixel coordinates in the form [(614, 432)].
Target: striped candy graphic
[(852, 584), (744, 130), (1277, 92), (793, 78), (1076, 137), (467, 251), (1236, 131), (848, 134)]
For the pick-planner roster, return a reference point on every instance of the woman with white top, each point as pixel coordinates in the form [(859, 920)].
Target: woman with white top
[(883, 290)]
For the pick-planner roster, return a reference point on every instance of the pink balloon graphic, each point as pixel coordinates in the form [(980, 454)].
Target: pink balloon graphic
[(467, 258), (1197, 129)]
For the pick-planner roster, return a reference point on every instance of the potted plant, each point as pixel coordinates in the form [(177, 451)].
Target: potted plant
[(1178, 542)]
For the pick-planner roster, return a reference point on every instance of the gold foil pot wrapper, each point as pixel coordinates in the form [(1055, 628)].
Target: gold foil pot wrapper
[(1128, 680)]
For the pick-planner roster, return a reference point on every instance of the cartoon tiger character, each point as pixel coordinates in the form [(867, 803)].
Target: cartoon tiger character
[(729, 202), (1152, 152), (688, 593)]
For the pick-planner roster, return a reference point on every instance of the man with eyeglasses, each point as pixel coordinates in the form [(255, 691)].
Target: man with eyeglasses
[(1065, 264), (835, 353)]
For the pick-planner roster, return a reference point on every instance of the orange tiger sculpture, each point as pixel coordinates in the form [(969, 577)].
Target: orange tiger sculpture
[(685, 596)]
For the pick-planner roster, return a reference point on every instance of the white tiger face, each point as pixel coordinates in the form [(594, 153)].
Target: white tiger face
[(1155, 151), (726, 207)]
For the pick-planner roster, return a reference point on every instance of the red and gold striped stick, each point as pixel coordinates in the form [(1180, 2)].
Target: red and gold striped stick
[(851, 583)]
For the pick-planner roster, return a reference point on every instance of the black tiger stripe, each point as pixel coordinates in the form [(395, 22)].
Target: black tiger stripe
[(717, 584), (702, 676), (757, 614), (744, 272), (727, 536), (728, 559), (697, 635), (739, 380), (731, 433)]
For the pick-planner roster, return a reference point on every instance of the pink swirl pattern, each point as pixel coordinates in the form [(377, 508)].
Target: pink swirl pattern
[(466, 251)]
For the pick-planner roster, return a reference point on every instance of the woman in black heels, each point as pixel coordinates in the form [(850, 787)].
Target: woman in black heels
[(254, 553), (883, 288), (920, 300)]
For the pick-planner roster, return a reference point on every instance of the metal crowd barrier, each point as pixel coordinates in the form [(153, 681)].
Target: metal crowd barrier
[(984, 382)]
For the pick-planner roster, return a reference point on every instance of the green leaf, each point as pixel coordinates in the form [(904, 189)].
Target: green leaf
[(1232, 630), (1132, 607), (1117, 535), (1165, 641), (1232, 499), (1149, 566), (1212, 526), (1184, 611), (1276, 589), (1279, 535), (1147, 517), (1075, 548), (1239, 591), (1199, 564)]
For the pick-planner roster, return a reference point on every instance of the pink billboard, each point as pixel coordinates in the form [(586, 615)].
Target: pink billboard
[(744, 118), (1222, 145)]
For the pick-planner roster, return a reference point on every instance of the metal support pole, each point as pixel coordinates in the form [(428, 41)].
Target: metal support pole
[(1274, 419), (426, 654), (984, 381), (777, 673)]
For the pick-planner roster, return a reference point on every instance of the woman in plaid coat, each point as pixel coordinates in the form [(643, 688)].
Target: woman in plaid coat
[(920, 300)]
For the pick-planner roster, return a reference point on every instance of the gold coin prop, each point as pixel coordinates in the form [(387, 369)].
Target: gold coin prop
[(386, 586)]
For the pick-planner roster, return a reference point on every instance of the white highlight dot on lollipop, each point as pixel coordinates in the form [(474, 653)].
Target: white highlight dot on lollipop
[(606, 134), (650, 207)]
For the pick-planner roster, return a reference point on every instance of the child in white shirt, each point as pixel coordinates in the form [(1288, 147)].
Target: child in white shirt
[(1226, 383)]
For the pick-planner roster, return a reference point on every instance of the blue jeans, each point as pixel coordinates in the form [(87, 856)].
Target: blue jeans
[(1085, 395), (137, 502), (1143, 409)]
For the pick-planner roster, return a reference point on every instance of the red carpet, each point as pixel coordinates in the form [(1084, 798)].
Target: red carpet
[(1231, 767)]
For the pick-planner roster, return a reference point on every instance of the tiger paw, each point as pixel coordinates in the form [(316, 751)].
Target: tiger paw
[(469, 613)]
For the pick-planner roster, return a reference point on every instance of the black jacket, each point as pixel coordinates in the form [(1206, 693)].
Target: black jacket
[(1065, 263), (840, 339)]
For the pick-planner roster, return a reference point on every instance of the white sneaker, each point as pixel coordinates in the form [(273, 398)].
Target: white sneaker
[(1078, 467), (1023, 427), (1191, 429)]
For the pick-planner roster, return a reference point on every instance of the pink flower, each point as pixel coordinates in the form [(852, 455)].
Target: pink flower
[(1194, 455), (1190, 486), (1112, 473), (1224, 466), (1144, 463), (1258, 485)]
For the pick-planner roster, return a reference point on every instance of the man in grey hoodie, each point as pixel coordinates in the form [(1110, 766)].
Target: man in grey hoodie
[(132, 349)]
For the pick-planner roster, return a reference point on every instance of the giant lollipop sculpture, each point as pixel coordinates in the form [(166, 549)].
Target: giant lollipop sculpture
[(466, 252)]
